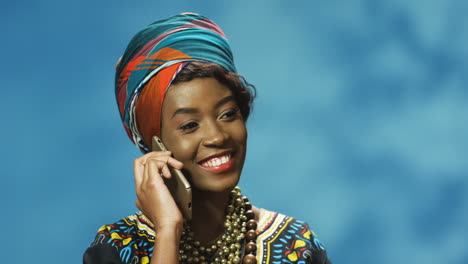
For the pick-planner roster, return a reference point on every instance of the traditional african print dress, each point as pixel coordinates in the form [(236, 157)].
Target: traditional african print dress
[(281, 239)]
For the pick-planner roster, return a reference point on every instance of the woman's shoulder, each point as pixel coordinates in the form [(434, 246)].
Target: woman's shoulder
[(270, 220), (127, 239), (285, 238), (136, 225)]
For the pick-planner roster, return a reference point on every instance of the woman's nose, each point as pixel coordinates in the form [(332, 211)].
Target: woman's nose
[(215, 135)]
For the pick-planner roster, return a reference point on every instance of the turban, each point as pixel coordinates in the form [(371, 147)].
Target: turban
[(152, 60)]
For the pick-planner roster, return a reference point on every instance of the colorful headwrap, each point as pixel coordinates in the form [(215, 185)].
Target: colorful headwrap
[(154, 57)]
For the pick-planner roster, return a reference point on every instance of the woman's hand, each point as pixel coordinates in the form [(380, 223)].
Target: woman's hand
[(153, 196)]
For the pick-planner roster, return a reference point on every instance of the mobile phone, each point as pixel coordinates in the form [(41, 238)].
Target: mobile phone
[(178, 185)]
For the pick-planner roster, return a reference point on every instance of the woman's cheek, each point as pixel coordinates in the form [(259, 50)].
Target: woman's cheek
[(185, 150)]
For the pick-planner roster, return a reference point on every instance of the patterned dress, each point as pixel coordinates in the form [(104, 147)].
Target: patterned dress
[(281, 239)]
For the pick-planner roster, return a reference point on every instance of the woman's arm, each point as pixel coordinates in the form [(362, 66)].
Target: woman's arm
[(166, 245), (156, 202)]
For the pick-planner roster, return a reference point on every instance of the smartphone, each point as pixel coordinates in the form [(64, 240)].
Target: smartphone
[(178, 185)]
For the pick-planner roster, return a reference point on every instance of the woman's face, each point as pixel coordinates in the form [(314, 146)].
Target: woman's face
[(203, 127)]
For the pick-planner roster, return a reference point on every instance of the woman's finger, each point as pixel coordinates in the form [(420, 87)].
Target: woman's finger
[(154, 171), (175, 163), (156, 154), (168, 160), (138, 170), (139, 165), (166, 172)]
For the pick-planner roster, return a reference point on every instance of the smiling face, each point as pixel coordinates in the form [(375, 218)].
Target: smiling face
[(203, 127)]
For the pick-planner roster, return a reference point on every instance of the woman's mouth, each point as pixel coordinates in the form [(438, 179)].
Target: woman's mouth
[(218, 163)]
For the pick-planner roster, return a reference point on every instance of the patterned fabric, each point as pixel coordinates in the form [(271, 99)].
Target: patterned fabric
[(281, 239), (181, 38)]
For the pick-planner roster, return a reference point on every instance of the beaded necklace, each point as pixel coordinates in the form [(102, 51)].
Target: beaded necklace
[(239, 227)]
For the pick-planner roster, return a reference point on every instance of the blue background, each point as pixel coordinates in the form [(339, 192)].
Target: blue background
[(360, 126)]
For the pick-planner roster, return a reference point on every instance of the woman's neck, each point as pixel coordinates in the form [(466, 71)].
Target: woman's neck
[(208, 215)]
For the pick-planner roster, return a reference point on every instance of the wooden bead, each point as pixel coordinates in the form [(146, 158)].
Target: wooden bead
[(249, 259), (252, 225), (247, 206), (251, 235), (250, 214), (245, 199), (250, 248)]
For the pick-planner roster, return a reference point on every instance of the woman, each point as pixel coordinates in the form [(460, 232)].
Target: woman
[(177, 80)]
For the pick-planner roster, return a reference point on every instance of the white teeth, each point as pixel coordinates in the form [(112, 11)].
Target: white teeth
[(217, 161), (224, 159)]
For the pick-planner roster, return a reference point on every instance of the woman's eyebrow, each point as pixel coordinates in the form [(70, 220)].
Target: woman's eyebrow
[(187, 110), (224, 100)]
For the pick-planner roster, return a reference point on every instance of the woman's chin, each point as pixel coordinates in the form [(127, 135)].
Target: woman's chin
[(216, 186)]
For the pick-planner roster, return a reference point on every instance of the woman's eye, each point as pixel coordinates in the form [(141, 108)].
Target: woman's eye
[(230, 114), (189, 126)]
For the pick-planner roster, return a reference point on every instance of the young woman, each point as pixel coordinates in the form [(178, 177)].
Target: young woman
[(177, 80)]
